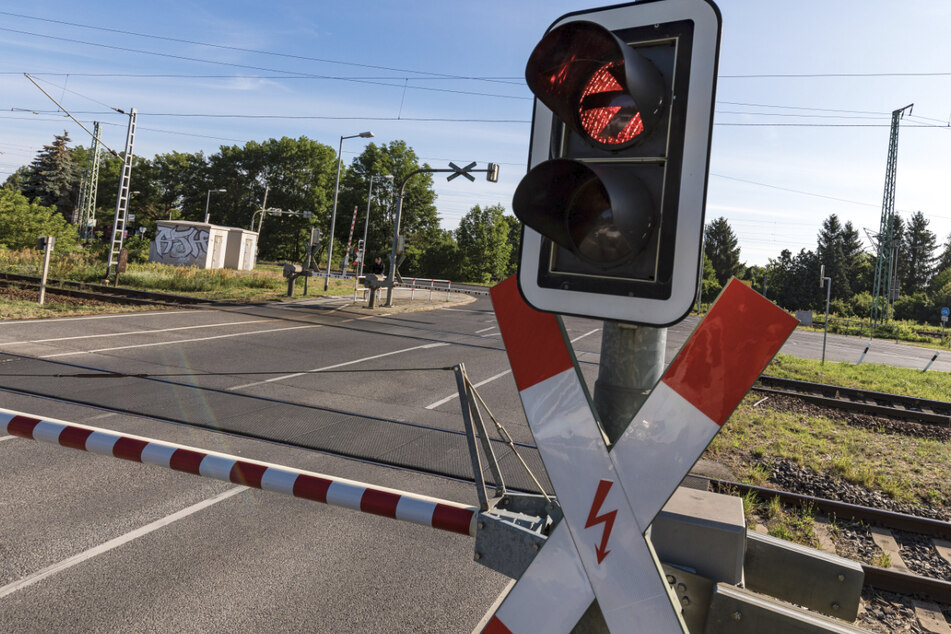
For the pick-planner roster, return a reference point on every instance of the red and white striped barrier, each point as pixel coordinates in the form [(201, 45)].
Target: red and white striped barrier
[(410, 507)]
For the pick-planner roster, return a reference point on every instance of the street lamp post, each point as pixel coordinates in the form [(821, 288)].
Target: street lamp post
[(366, 225), (208, 200), (333, 214)]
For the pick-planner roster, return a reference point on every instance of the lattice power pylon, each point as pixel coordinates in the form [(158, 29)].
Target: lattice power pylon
[(886, 264), (122, 200), (88, 187)]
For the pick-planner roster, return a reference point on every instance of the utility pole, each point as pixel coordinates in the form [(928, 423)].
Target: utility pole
[(86, 219), (885, 262), (827, 282), (122, 200)]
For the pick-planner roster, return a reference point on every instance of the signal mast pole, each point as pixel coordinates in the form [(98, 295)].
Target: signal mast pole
[(885, 262)]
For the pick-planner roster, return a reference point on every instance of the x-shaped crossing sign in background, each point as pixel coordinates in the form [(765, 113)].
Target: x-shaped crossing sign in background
[(610, 497)]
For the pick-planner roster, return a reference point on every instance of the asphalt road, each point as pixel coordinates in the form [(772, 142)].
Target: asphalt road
[(95, 544)]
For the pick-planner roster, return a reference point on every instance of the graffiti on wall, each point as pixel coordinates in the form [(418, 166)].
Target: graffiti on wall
[(180, 245)]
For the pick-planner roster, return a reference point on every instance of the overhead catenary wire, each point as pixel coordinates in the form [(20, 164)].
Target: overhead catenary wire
[(68, 114), (186, 58), (431, 74)]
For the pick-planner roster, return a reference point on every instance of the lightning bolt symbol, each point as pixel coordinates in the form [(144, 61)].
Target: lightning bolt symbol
[(608, 518)]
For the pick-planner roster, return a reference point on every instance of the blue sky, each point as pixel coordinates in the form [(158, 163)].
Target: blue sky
[(787, 150)]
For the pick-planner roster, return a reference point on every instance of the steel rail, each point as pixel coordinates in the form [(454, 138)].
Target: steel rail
[(440, 514), (103, 292), (864, 401), (844, 510), (892, 580)]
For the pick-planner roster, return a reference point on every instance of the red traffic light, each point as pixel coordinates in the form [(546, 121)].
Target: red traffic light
[(603, 89), (601, 212)]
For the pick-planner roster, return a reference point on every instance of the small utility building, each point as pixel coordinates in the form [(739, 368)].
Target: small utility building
[(204, 245)]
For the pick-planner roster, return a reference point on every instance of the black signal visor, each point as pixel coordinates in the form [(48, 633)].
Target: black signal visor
[(603, 89)]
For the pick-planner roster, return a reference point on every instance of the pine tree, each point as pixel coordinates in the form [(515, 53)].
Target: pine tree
[(916, 255), (944, 262), (720, 245), (53, 179), (831, 253)]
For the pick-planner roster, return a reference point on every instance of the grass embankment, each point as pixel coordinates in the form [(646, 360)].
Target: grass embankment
[(264, 284), (867, 376), (902, 467)]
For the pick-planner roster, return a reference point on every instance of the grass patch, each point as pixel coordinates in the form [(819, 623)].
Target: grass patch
[(792, 524), (868, 376), (22, 304), (262, 285), (905, 468)]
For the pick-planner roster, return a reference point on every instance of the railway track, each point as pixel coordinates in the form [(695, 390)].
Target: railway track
[(99, 292), (887, 579), (863, 401), (882, 579)]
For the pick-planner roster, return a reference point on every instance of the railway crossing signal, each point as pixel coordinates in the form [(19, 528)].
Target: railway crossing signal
[(613, 204)]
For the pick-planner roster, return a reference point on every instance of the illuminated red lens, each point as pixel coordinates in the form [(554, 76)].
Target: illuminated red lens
[(608, 112)]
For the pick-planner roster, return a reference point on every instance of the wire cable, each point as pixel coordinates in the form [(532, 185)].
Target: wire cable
[(512, 80)]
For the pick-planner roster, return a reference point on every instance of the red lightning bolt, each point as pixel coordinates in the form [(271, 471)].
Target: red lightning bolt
[(608, 518)]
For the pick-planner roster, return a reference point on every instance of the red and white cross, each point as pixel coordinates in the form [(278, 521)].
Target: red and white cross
[(609, 498)]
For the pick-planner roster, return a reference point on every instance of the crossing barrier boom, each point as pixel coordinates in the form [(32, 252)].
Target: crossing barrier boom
[(401, 505)]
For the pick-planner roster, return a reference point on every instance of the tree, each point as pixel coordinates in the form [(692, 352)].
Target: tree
[(832, 256), (777, 270), (53, 179), (418, 218), (720, 245), (179, 181), (840, 250), (709, 286), (300, 173), (515, 240), (917, 254), (23, 221), (483, 239), (441, 259), (944, 262), (800, 281), (17, 179)]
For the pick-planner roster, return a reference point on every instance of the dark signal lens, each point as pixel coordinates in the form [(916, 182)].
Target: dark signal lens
[(601, 213)]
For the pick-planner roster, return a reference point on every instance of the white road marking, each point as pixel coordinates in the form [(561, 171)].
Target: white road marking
[(2, 438), (135, 332), (580, 337), (49, 571), (485, 329), (443, 401), (338, 365), (456, 395), (113, 316), (171, 343)]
